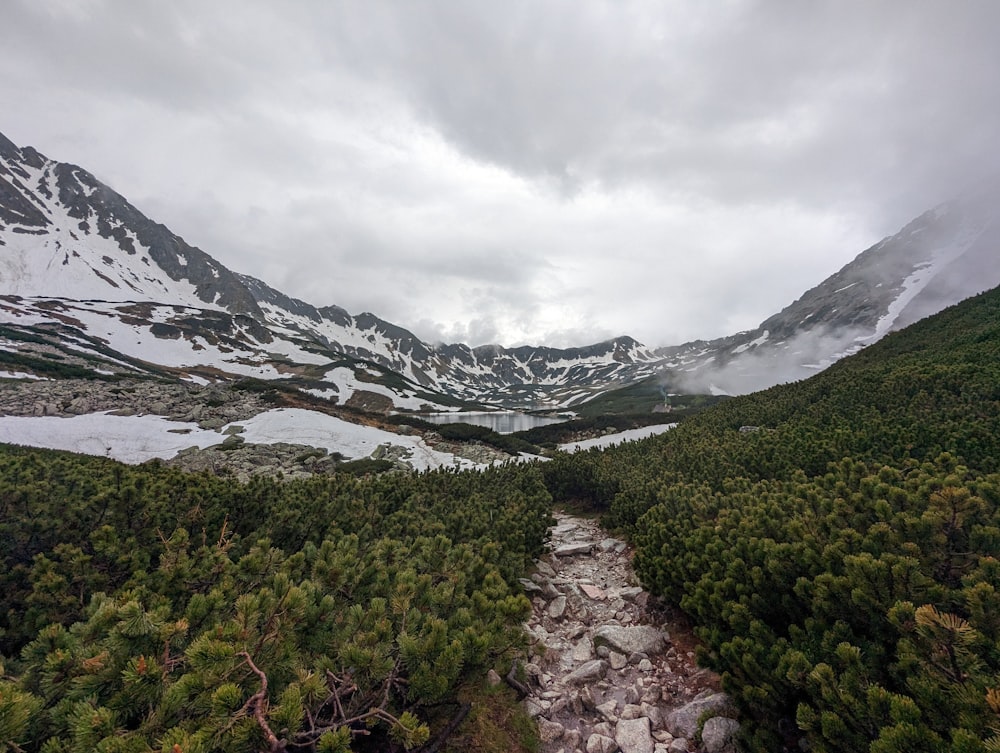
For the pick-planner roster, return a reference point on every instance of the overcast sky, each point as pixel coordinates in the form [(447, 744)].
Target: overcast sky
[(528, 171)]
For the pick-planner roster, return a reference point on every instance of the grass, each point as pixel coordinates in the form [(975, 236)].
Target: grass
[(497, 723)]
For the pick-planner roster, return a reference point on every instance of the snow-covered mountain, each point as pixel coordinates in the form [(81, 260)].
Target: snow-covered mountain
[(75, 254), (944, 256), (82, 268)]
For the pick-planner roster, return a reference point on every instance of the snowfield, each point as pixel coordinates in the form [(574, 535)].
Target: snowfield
[(130, 439), (335, 435), (136, 439)]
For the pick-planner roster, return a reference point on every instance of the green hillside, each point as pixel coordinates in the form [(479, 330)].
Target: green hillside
[(836, 541)]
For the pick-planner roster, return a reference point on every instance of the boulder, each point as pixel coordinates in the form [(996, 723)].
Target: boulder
[(683, 722), (530, 586), (571, 739), (601, 744), (545, 569), (549, 731), (719, 735), (644, 639), (587, 699), (593, 592), (583, 650), (631, 711), (557, 608), (571, 550), (633, 736), (564, 528), (609, 710), (653, 713), (589, 672)]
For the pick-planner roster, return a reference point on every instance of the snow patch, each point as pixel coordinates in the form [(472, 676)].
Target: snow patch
[(753, 343), (21, 375), (610, 440), (921, 275), (299, 426), (130, 439)]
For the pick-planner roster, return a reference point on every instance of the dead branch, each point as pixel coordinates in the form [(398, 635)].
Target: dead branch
[(258, 703), (519, 687)]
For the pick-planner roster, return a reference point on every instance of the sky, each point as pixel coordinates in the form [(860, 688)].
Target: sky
[(548, 172)]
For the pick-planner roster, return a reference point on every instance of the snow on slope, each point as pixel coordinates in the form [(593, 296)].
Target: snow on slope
[(67, 259), (132, 336), (924, 273), (136, 439), (610, 440), (319, 430), (343, 383), (350, 338)]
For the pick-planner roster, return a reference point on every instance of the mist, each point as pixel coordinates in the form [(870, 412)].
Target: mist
[(768, 364)]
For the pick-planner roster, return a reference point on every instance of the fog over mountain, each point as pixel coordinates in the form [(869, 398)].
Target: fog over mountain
[(943, 256)]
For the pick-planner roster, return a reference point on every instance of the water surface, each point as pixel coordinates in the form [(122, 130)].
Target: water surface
[(502, 422)]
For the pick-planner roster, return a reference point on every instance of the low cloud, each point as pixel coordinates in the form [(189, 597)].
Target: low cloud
[(769, 364)]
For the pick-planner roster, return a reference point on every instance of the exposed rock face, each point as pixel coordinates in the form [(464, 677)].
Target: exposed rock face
[(608, 676), (370, 402), (719, 735)]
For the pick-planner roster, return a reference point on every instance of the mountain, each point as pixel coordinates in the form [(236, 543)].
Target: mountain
[(80, 265), (77, 256), (946, 255)]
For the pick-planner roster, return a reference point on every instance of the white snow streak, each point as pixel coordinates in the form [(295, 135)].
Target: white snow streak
[(611, 440)]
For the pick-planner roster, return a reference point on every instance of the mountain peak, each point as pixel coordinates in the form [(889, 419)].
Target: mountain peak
[(66, 233), (7, 146)]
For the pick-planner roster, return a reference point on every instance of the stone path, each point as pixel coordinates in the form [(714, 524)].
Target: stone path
[(605, 674)]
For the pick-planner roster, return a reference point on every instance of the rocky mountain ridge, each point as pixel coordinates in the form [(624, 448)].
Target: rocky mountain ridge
[(79, 263)]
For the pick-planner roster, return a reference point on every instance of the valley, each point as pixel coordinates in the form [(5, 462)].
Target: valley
[(233, 520)]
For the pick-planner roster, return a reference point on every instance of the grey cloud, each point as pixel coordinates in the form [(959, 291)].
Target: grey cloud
[(751, 100), (668, 170)]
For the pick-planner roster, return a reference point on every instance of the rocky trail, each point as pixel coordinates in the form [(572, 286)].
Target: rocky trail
[(610, 671)]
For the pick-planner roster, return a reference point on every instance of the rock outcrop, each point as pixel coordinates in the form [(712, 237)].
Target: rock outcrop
[(209, 406)]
